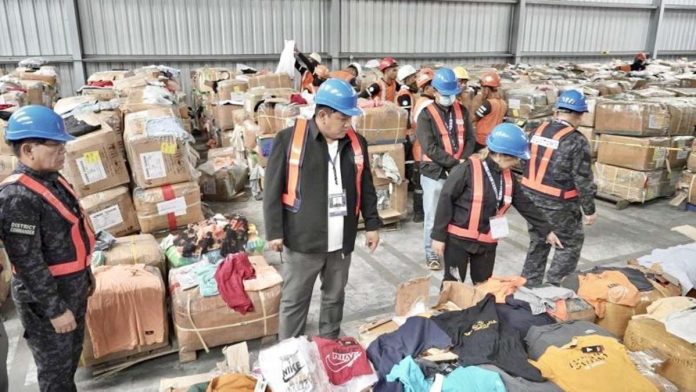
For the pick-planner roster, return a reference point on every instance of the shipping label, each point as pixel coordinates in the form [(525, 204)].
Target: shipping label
[(153, 165), (91, 170), (106, 218), (514, 103), (660, 155), (175, 206), (168, 148), (657, 121), (545, 142)]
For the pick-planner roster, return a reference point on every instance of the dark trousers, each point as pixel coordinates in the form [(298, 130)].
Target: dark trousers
[(457, 258), (56, 354), (4, 343)]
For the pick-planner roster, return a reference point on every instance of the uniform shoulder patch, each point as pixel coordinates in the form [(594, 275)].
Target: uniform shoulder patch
[(22, 228)]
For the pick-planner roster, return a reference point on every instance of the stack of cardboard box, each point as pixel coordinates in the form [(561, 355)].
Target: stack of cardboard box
[(8, 160), (41, 84)]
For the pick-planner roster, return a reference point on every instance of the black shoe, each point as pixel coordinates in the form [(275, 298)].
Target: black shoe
[(418, 218)]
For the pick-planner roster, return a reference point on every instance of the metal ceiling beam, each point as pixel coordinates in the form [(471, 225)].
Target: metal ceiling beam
[(590, 4), (50, 59)]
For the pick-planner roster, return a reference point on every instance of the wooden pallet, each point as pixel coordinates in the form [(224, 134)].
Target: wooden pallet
[(621, 203), (115, 366), (391, 221)]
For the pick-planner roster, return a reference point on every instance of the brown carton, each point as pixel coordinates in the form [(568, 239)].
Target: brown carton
[(376, 154), (255, 96), (46, 74), (588, 119), (168, 207), (631, 185), (223, 178), (137, 101), (391, 200), (385, 124), (632, 152), (274, 117), (94, 163), (35, 92), (691, 160), (677, 158), (687, 184), (136, 249), (271, 81), (100, 93), (682, 115), (680, 367), (531, 101), (112, 211), (231, 89), (225, 115), (592, 138), (165, 158), (632, 118), (109, 76), (209, 322), (7, 165)]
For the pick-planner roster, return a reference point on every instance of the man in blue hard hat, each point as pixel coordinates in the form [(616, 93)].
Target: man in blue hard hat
[(48, 240), (558, 178), (470, 216), (318, 182), (446, 138)]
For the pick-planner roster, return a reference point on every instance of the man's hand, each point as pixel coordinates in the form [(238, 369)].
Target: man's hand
[(590, 219), (276, 245), (553, 240), (372, 240), (64, 323), (438, 248)]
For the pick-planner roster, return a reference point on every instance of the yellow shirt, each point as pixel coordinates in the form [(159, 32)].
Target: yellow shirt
[(610, 370)]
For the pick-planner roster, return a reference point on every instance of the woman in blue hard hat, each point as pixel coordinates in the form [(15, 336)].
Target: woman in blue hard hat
[(470, 217), (48, 241)]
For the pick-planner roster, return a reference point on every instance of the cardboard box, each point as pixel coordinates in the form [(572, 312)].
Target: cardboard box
[(232, 89), (136, 249), (677, 159), (7, 165), (688, 82), (5, 276), (113, 75), (203, 79), (274, 117), (691, 161), (35, 92), (168, 207), (126, 85), (631, 185), (376, 153), (104, 119), (271, 81), (632, 118), (112, 211), (531, 102), (592, 138), (682, 115), (138, 101), (100, 93), (225, 114), (255, 96), (94, 163), (166, 158), (223, 178), (684, 92), (382, 125), (5, 148), (633, 153), (46, 74), (616, 317), (216, 323), (391, 200), (588, 119), (264, 146), (687, 184), (680, 367)]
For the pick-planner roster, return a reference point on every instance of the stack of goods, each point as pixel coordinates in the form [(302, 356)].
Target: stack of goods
[(8, 160), (100, 85), (12, 94), (126, 314), (163, 164), (224, 176), (133, 249), (39, 81), (633, 151), (204, 84), (687, 183), (531, 102)]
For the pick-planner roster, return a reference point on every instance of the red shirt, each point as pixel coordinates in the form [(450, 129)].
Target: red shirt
[(343, 359)]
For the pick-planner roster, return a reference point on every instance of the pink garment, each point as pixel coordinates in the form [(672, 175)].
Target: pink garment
[(230, 277)]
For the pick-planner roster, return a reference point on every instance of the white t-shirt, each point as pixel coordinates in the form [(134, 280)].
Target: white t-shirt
[(335, 186)]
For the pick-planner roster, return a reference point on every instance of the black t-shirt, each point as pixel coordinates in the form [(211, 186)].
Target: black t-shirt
[(479, 336), (518, 315)]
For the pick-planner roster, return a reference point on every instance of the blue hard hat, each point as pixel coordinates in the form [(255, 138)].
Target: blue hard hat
[(445, 82), (338, 95), (572, 100), (38, 122), (509, 139)]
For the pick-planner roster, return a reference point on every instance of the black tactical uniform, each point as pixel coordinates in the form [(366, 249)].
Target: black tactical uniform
[(36, 236), (570, 166)]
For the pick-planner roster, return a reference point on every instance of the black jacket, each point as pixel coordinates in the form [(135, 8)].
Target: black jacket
[(306, 65), (454, 205), (431, 143), (50, 243), (306, 231)]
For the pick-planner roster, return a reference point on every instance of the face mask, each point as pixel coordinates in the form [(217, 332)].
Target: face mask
[(445, 100)]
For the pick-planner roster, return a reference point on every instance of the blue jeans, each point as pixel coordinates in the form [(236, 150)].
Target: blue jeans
[(431, 194)]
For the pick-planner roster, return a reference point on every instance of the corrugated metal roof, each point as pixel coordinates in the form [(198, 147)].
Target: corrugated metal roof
[(33, 27), (677, 31)]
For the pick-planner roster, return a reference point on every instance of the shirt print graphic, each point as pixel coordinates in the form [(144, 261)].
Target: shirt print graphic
[(336, 361), (293, 373), (588, 361), (480, 325)]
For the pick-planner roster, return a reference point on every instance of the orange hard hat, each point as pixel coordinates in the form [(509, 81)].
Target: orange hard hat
[(641, 56), (490, 79), (425, 76), (387, 62)]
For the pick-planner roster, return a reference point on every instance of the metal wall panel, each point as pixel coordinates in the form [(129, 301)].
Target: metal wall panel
[(201, 27), (555, 60), (677, 31), (645, 2), (572, 29), (33, 27), (681, 2), (384, 26)]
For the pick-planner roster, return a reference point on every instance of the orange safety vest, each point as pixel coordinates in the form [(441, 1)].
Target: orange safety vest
[(82, 250), (485, 125), (541, 154), (387, 92), (444, 133), (472, 231), (307, 82), (343, 75), (421, 103), (292, 197)]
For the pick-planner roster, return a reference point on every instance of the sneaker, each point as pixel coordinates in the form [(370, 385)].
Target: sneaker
[(418, 218), (434, 264)]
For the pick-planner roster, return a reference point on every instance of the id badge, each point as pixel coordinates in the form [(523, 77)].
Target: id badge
[(499, 227), (337, 204)]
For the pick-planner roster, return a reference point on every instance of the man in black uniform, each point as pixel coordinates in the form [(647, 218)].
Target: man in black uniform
[(48, 241)]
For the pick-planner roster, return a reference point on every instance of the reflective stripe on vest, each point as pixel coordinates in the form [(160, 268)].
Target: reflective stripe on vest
[(387, 93), (292, 198), (472, 231), (485, 125), (444, 132), (533, 177), (307, 81), (82, 250)]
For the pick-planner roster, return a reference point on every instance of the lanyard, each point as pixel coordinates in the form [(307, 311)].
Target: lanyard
[(498, 191), (332, 161)]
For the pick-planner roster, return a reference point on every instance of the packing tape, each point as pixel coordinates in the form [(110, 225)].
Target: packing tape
[(196, 330), (643, 146), (239, 324), (134, 251)]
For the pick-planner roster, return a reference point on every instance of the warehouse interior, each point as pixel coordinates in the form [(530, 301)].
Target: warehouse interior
[(199, 85)]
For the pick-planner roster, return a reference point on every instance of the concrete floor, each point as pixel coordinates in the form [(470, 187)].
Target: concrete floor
[(617, 237)]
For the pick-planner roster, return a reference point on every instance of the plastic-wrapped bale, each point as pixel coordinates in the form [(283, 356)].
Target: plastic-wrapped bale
[(632, 185), (223, 178), (232, 89), (134, 249), (254, 97), (270, 81), (636, 153), (679, 156), (159, 149), (274, 117), (682, 115), (382, 125), (168, 207), (531, 102), (149, 97), (203, 322), (637, 118), (112, 211)]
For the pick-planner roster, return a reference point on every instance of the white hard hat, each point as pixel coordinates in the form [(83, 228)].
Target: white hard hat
[(374, 63), (357, 67), (316, 57), (404, 72)]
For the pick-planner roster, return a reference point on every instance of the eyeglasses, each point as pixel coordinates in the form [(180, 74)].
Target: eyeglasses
[(51, 144)]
